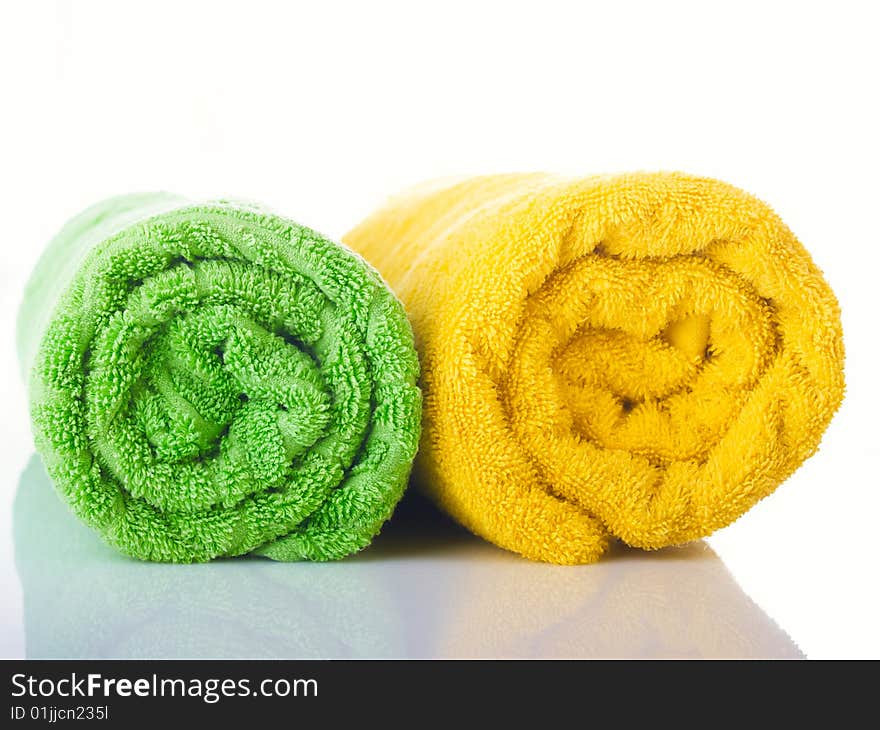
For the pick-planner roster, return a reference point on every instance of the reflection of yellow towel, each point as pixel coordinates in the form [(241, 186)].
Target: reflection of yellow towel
[(681, 602), (642, 356)]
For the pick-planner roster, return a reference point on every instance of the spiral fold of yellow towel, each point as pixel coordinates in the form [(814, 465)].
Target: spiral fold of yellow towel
[(642, 356)]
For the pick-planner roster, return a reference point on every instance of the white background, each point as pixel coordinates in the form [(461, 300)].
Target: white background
[(321, 109)]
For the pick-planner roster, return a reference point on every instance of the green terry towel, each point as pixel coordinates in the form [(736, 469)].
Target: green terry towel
[(211, 379)]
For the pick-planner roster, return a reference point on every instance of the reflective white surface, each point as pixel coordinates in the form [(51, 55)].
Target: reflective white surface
[(424, 589)]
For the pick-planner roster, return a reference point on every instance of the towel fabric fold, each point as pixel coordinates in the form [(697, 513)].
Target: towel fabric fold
[(210, 380), (641, 356)]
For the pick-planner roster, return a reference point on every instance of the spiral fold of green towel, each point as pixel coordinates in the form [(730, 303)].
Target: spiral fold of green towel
[(210, 379)]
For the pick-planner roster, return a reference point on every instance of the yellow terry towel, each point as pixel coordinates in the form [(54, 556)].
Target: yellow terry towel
[(641, 356)]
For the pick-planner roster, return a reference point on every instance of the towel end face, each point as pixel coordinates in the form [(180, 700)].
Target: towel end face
[(642, 356), (212, 379), (690, 335)]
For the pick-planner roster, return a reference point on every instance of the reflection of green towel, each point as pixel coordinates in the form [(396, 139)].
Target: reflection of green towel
[(210, 380), (83, 600)]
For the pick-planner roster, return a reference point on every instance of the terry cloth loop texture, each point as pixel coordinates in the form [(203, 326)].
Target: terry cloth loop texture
[(641, 356), (211, 380)]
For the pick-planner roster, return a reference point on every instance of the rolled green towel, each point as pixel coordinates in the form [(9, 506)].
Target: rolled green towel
[(211, 379)]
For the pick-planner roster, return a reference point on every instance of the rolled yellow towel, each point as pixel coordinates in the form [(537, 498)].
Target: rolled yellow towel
[(640, 356)]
